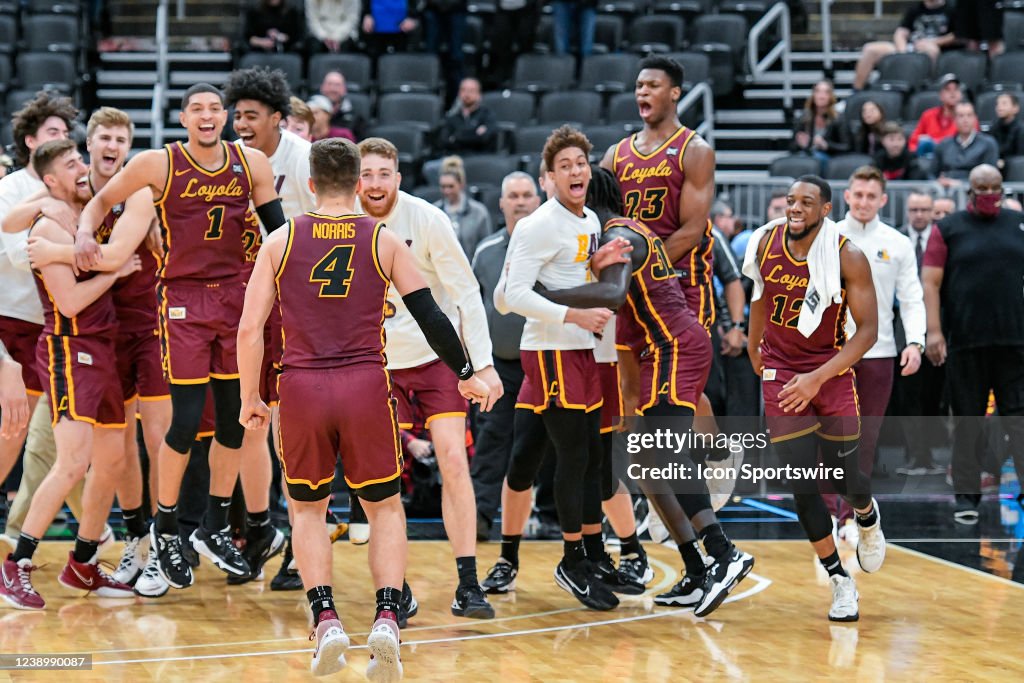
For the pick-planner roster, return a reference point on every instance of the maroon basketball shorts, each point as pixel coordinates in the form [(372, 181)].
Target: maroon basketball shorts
[(81, 379), (833, 414), (345, 411), (612, 409), (676, 373), (435, 388), (560, 379), (701, 300), (139, 366), (21, 339), (198, 328), (271, 366)]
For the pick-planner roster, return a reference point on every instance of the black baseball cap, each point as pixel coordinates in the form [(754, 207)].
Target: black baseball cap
[(947, 79)]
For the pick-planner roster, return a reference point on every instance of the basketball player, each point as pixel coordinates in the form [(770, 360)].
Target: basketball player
[(654, 325), (332, 266), (805, 277), (77, 351), (202, 191), (13, 399), (414, 365), (261, 99), (124, 231)]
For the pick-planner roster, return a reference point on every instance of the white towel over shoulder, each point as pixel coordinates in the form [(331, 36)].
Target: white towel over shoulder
[(824, 286)]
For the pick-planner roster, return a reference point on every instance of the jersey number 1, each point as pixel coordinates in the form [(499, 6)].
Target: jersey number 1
[(216, 216), (334, 272)]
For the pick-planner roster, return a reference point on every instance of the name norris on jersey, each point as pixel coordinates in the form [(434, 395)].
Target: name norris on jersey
[(334, 231), (195, 188), (631, 173)]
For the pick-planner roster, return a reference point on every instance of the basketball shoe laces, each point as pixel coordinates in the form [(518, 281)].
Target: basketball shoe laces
[(128, 555), (174, 550), (25, 579)]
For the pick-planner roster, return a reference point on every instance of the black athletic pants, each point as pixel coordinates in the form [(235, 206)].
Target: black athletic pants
[(494, 431)]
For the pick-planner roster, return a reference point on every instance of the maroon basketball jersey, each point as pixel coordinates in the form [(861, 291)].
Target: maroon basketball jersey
[(332, 292), (785, 285), (655, 311), (99, 317), (202, 215), (651, 188), (135, 295)]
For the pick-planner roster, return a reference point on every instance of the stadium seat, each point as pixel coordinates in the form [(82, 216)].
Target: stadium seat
[(488, 169), (428, 193), (840, 167), (969, 67), (5, 73), (751, 10), (9, 8), (53, 7), (50, 32), (361, 105), (985, 106), (794, 166), (473, 41), (722, 37), (579, 106), (918, 102), (408, 140), (891, 102), (1013, 31), (6, 136), (609, 73), (1007, 69), (287, 62), (530, 140), (37, 70), (904, 71), (608, 32), (356, 69), (603, 137), (544, 73), (1013, 172), (510, 108), (687, 9), (696, 68), (489, 196), (8, 34), (409, 73), (629, 8), (16, 99), (656, 33), (420, 110), (622, 110)]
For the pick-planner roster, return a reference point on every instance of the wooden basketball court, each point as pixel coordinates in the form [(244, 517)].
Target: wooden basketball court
[(921, 618)]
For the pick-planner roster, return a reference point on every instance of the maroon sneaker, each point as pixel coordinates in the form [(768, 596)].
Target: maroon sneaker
[(88, 576), (16, 584)]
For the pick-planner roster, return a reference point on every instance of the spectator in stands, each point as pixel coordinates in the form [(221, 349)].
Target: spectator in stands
[(333, 24), (300, 121), (322, 127), (819, 130), (470, 218), (723, 219), (980, 21), (893, 158), (343, 115), (444, 24), (775, 210), (957, 155), (1007, 129), (273, 26), (387, 24), (938, 123), (942, 207), (514, 32), (867, 139), (577, 17), (926, 28), (469, 128)]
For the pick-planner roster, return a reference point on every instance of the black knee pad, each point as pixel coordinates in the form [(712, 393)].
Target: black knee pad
[(375, 493), (814, 516), (187, 403), (227, 404)]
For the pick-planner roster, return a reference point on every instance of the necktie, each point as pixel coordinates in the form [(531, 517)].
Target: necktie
[(918, 252)]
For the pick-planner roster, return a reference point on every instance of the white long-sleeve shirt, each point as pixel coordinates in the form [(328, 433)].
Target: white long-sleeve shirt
[(551, 246), (444, 266), (894, 272), (290, 165), (334, 19), (18, 295)]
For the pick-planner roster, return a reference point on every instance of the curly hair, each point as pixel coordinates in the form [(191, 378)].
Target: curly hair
[(561, 138), (30, 118), (261, 84), (603, 192)]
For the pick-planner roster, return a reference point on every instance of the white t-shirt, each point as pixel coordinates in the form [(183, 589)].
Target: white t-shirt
[(441, 261), (18, 295), (551, 246), (604, 348), (290, 163)]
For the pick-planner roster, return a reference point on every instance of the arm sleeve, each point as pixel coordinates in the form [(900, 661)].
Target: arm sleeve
[(910, 295), (457, 278), (936, 251), (271, 215), (526, 256), (438, 330)]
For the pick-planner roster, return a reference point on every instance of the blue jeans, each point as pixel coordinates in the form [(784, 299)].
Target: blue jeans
[(440, 27), (569, 16)]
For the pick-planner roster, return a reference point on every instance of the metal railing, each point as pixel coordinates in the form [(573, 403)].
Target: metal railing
[(826, 34), (156, 111), (701, 91), (778, 14)]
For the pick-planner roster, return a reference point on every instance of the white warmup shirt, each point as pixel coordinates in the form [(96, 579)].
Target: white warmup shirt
[(290, 163), (604, 348), (551, 246), (18, 295), (894, 271), (443, 264)]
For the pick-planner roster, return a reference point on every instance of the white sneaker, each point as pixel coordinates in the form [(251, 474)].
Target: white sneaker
[(331, 643), (871, 548), (133, 559), (150, 584), (721, 489), (106, 539), (849, 533), (844, 599), (655, 527), (359, 533), (385, 663)]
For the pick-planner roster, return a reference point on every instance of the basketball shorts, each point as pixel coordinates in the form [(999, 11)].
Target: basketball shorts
[(612, 409), (271, 366), (436, 389), (139, 366), (560, 379), (81, 379), (833, 414), (21, 339), (701, 300), (339, 411), (198, 328), (676, 374)]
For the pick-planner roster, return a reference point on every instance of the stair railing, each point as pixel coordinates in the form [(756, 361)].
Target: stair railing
[(702, 92), (156, 111), (778, 14)]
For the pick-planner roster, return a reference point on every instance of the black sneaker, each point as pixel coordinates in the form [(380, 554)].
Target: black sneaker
[(409, 607), (470, 602), (636, 567), (686, 593), (617, 581), (187, 551), (217, 547), (258, 549), (287, 578), (169, 561), (501, 578), (721, 577), (576, 580)]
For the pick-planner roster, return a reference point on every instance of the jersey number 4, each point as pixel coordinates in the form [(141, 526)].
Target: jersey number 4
[(648, 206), (334, 272)]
